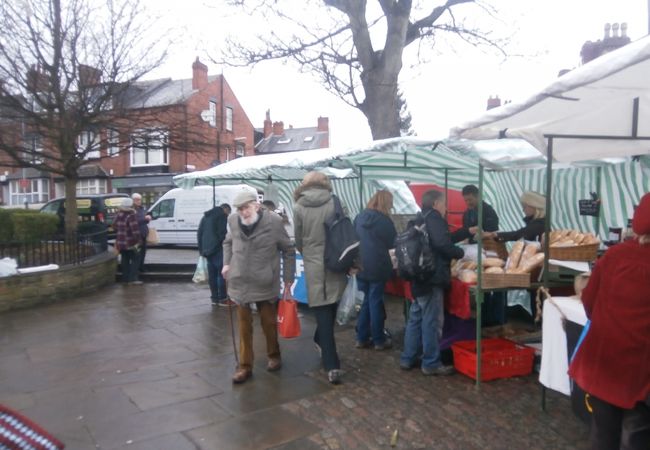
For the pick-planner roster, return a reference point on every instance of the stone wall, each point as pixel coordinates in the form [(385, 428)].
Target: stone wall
[(26, 290)]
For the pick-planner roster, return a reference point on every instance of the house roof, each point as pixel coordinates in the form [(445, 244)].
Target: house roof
[(161, 92), (293, 140)]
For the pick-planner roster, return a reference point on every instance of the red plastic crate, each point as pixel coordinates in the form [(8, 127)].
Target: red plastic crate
[(500, 358)]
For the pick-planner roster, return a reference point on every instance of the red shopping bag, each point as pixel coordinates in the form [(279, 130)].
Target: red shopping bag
[(288, 322)]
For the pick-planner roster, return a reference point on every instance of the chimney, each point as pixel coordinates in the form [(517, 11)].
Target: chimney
[(323, 124), (199, 74), (624, 29), (268, 126), (615, 30), (278, 128), (607, 28), (493, 102), (89, 76)]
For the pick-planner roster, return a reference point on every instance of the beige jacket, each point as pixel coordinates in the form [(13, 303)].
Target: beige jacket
[(313, 206), (254, 260)]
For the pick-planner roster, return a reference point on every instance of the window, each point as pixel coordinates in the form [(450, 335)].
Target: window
[(91, 186), (53, 207), (88, 144), (36, 190), (213, 114), (33, 149), (240, 149), (150, 148), (228, 119), (163, 209), (113, 142)]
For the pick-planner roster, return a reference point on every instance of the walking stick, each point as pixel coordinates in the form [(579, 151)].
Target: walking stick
[(232, 328)]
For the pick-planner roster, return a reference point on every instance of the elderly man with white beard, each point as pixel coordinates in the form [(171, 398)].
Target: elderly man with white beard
[(251, 255)]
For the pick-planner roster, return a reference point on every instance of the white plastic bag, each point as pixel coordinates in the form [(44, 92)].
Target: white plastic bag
[(201, 272), (8, 267), (352, 297)]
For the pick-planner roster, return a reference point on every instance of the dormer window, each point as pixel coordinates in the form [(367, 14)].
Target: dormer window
[(284, 141)]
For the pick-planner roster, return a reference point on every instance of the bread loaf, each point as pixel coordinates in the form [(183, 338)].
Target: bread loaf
[(494, 270), (515, 254), (467, 276), (532, 263), (493, 262), (529, 251)]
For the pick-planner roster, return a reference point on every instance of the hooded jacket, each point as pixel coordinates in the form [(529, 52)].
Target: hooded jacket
[(212, 231), (377, 235), (443, 249), (533, 231), (313, 206)]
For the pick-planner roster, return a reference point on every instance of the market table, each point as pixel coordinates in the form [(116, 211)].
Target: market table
[(555, 359)]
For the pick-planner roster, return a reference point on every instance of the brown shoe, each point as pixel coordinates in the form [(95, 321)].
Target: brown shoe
[(241, 376), (274, 364)]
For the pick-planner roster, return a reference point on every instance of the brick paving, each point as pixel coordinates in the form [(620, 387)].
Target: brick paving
[(148, 367)]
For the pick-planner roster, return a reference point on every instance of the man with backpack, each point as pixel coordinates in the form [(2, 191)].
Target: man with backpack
[(423, 329)]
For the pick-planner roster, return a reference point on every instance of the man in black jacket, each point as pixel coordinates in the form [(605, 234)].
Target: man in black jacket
[(212, 232), (470, 217), (426, 313)]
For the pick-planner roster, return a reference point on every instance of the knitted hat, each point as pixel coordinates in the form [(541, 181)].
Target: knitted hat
[(244, 197), (641, 220), (533, 199)]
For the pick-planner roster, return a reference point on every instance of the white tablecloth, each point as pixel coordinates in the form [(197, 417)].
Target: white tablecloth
[(554, 367)]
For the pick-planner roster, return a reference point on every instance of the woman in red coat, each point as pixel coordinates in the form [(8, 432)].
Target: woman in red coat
[(613, 362)]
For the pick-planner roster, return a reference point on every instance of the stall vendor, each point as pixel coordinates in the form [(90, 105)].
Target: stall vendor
[(470, 217), (534, 206)]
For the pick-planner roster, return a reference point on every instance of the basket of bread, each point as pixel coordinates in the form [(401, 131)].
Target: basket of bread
[(572, 245)]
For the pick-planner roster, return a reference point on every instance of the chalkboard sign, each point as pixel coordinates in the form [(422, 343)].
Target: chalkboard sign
[(589, 207)]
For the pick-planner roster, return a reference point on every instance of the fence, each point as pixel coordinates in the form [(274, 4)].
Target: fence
[(57, 249)]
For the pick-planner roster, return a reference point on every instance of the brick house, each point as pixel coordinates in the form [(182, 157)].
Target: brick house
[(173, 126), (275, 138)]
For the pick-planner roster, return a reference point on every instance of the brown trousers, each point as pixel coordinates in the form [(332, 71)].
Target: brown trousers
[(268, 319)]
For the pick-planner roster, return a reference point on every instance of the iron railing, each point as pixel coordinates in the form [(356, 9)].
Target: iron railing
[(58, 249)]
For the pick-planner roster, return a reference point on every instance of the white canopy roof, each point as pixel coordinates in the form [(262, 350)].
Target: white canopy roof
[(586, 105)]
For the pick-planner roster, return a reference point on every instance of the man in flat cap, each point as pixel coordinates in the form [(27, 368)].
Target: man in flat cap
[(252, 250)]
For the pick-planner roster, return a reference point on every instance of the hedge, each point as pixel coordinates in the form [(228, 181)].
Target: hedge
[(26, 225)]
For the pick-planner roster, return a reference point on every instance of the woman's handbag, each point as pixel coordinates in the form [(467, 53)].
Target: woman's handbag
[(152, 236), (201, 272), (288, 321)]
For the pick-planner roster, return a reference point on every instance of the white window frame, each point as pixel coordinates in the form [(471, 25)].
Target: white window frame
[(229, 115), (240, 150), (34, 147), (38, 191), (212, 107), (150, 135), (112, 142), (88, 186), (87, 140)]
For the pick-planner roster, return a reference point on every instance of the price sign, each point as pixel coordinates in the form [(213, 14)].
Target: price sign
[(589, 207)]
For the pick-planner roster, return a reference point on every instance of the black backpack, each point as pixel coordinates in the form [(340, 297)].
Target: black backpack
[(341, 240), (415, 259)]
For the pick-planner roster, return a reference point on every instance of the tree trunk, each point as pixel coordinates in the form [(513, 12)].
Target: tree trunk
[(380, 105), (71, 214)]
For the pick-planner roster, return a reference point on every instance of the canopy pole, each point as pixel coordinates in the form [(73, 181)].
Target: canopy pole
[(599, 171), (214, 194), (479, 291), (547, 221), (447, 190), (360, 188)]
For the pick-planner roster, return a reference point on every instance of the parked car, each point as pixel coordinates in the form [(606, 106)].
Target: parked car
[(177, 214), (98, 209)]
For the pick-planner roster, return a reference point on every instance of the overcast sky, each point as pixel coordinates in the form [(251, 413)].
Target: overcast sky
[(452, 89)]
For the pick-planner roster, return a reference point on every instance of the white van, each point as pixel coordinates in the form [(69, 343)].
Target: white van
[(177, 214)]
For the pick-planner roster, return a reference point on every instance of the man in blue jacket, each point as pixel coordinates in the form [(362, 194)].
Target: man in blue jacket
[(210, 237), (427, 310), (470, 217)]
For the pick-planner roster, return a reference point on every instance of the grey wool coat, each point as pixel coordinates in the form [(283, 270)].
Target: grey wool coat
[(313, 206), (254, 260)]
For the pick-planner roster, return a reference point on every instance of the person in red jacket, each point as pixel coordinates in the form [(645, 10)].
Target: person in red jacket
[(613, 363)]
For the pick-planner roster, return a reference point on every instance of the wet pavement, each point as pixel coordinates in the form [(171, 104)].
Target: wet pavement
[(149, 367)]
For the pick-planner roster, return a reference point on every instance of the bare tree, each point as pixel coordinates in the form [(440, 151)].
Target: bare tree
[(356, 47), (65, 72)]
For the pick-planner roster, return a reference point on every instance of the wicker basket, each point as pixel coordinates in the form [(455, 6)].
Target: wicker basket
[(576, 253), (498, 247), (506, 280)]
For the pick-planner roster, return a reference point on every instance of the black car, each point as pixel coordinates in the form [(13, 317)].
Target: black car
[(98, 209)]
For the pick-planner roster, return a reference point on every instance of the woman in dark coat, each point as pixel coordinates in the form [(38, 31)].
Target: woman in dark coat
[(613, 363), (377, 235), (534, 206)]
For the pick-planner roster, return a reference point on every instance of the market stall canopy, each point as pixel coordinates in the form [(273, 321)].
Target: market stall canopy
[(599, 110)]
